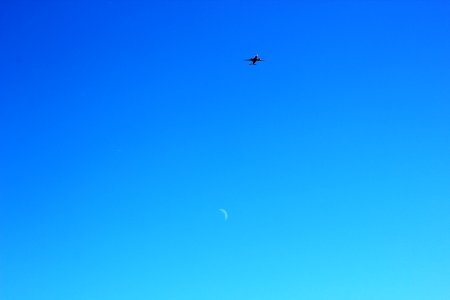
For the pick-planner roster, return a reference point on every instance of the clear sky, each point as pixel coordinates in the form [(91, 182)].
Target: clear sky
[(126, 125)]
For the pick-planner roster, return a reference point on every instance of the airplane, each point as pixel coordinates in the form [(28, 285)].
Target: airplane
[(254, 59)]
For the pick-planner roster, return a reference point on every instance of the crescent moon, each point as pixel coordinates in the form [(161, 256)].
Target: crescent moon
[(225, 213)]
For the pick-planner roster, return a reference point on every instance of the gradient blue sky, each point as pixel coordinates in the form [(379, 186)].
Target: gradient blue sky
[(126, 125)]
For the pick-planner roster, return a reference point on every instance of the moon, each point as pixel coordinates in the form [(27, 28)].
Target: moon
[(225, 213)]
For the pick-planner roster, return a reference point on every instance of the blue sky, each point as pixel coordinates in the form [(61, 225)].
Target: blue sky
[(126, 125)]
